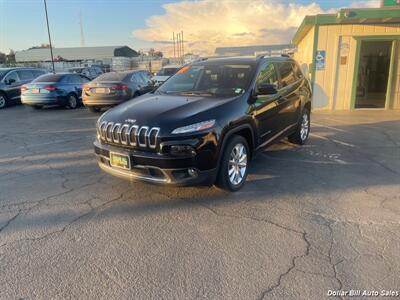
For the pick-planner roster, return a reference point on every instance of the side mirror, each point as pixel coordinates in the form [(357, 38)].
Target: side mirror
[(10, 81), (266, 89)]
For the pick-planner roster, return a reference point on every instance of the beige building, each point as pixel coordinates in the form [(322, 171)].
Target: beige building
[(352, 58)]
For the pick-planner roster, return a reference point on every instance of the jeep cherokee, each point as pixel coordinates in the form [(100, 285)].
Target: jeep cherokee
[(206, 122)]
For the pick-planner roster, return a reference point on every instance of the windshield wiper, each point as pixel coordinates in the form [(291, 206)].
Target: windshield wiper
[(196, 93)]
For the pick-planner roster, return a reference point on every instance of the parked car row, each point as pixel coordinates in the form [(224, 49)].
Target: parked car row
[(38, 88)]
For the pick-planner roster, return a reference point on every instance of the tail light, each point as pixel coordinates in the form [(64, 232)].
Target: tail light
[(50, 88), (24, 88), (120, 87)]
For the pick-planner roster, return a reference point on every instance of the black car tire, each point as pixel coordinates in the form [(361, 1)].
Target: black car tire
[(72, 101), (302, 132), (229, 164), (94, 109), (36, 107), (3, 100)]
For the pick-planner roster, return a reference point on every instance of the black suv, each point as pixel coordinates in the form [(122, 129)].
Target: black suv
[(11, 80), (206, 122)]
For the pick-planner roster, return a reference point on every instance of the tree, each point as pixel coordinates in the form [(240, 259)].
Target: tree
[(42, 46), (3, 58), (154, 53), (10, 57)]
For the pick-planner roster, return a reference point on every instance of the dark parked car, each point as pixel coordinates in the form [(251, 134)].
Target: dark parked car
[(113, 88), (11, 80), (89, 72), (206, 122), (62, 89)]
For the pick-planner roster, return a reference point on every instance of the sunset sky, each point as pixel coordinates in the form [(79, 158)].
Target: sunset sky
[(144, 24)]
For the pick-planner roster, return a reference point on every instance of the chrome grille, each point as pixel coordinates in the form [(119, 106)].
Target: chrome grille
[(128, 135)]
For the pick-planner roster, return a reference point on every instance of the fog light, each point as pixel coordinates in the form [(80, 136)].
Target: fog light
[(192, 172)]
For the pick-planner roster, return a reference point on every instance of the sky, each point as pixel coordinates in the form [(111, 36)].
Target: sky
[(141, 24)]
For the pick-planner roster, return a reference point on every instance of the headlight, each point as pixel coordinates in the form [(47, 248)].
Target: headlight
[(194, 127)]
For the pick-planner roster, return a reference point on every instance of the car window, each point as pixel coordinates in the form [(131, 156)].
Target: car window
[(25, 74), (297, 71), (133, 78), (11, 75), (92, 72), (86, 72), (267, 75), (139, 79), (287, 74), (144, 79)]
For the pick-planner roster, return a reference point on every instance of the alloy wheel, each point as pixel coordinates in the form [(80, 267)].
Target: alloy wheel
[(2, 101), (304, 127), (72, 101), (237, 164)]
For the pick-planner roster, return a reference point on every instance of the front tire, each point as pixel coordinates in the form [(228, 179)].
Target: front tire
[(302, 132), (234, 165), (3, 100), (72, 101)]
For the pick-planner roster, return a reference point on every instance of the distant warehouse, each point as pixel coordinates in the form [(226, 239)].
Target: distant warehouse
[(75, 54)]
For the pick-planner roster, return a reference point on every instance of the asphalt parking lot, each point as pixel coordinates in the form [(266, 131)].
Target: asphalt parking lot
[(310, 219)]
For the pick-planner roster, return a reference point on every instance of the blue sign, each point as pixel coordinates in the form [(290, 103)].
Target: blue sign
[(320, 60)]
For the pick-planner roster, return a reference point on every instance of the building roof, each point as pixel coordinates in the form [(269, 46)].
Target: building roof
[(78, 53), (250, 50), (385, 15)]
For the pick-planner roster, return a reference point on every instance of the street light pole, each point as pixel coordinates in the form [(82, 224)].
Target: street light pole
[(48, 31)]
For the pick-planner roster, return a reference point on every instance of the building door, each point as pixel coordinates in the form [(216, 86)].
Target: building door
[(373, 74)]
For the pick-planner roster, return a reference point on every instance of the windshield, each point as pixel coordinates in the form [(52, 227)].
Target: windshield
[(167, 71), (221, 80), (112, 76)]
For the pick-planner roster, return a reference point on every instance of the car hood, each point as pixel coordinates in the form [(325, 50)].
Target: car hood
[(165, 111)]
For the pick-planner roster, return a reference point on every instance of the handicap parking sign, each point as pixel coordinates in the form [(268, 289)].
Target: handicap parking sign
[(320, 59)]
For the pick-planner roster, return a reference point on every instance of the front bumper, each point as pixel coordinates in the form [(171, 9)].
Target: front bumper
[(155, 168)]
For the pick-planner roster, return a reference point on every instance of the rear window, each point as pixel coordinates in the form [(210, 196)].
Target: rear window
[(113, 76), (49, 78)]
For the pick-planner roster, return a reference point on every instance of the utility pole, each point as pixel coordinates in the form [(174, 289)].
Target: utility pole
[(81, 25), (183, 49), (177, 44), (48, 31), (173, 38)]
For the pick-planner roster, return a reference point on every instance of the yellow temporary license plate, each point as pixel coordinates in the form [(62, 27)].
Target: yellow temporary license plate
[(120, 161)]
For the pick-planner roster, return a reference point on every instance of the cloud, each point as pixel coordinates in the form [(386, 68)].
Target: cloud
[(208, 24), (366, 4)]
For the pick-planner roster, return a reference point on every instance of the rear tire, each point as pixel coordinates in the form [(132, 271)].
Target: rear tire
[(72, 101), (94, 109), (3, 100), (234, 164), (302, 132), (36, 107)]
